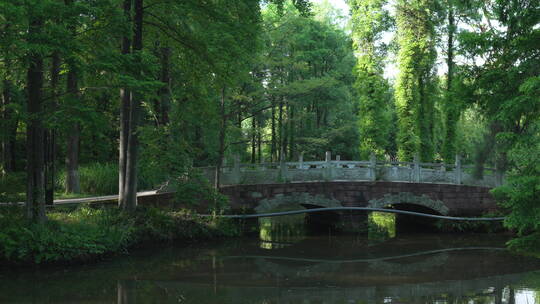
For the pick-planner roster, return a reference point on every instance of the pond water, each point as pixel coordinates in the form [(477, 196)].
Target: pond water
[(286, 265)]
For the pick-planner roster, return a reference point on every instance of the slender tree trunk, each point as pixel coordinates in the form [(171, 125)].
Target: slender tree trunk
[(126, 292), (318, 115), (50, 133), (125, 101), (259, 141), (452, 112), (164, 101), (292, 150), (73, 184), (35, 191), (253, 138), (280, 130), (73, 141), (8, 141), (129, 203), (273, 134), (222, 133), (485, 149), (10, 127), (511, 296)]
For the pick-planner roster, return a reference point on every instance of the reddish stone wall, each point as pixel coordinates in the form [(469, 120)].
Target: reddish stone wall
[(460, 200)]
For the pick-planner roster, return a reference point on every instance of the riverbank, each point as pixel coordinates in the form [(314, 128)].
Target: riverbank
[(86, 234)]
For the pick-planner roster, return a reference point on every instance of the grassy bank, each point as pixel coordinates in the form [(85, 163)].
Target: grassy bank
[(95, 179), (87, 233)]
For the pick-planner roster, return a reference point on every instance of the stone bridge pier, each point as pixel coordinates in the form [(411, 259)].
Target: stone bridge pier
[(443, 199)]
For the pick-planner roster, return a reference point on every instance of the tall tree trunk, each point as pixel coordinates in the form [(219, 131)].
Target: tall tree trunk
[(73, 141), (164, 101), (253, 138), (10, 125), (8, 138), (35, 191), (452, 112), (129, 202), (414, 78), (280, 130), (222, 133), (485, 149), (50, 133), (273, 134), (291, 132), (126, 292), (125, 101), (73, 138), (259, 140)]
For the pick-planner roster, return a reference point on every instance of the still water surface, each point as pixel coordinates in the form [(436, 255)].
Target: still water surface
[(292, 267)]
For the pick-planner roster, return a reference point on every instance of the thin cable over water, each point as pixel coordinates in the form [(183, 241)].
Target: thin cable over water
[(314, 210)]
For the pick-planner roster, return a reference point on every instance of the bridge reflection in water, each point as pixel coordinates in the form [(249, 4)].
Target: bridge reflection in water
[(420, 268), (348, 270)]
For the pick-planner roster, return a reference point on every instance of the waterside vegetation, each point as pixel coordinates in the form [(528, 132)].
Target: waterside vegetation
[(87, 233), (117, 96)]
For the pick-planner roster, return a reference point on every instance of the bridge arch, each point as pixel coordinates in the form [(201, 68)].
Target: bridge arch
[(442, 199), (300, 199), (409, 199)]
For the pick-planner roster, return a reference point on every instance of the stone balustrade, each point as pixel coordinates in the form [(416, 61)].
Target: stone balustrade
[(341, 170)]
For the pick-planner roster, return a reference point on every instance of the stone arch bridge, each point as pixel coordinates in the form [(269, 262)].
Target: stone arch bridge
[(443, 199), (436, 188)]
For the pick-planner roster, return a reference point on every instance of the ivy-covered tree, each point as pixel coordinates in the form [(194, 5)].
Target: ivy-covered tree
[(369, 21), (414, 85)]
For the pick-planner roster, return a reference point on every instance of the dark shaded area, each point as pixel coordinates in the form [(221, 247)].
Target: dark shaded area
[(420, 268), (411, 224)]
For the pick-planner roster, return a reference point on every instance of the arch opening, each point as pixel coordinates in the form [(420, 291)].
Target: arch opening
[(414, 224)]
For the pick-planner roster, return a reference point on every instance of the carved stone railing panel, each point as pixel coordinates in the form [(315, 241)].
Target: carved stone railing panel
[(339, 170)]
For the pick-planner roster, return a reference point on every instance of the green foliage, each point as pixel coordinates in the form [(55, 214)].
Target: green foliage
[(505, 87), (102, 178), (521, 193), (369, 21), (307, 76), (88, 233), (79, 235), (381, 226), (12, 187), (96, 179), (469, 226), (192, 189), (414, 90)]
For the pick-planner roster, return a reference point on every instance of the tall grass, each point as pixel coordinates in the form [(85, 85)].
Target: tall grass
[(102, 179)]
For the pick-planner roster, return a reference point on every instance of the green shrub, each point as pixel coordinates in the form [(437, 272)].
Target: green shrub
[(193, 188), (82, 234), (12, 187), (87, 233)]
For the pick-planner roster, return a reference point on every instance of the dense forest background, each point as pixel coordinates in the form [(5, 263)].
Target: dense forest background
[(174, 85)]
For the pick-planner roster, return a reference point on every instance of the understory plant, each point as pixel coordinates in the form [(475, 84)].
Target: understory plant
[(87, 233), (520, 195)]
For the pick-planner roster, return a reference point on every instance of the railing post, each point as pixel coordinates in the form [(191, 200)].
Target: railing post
[(458, 173), (262, 164), (372, 167), (328, 170), (442, 172), (416, 168), (301, 161), (236, 178), (499, 177)]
